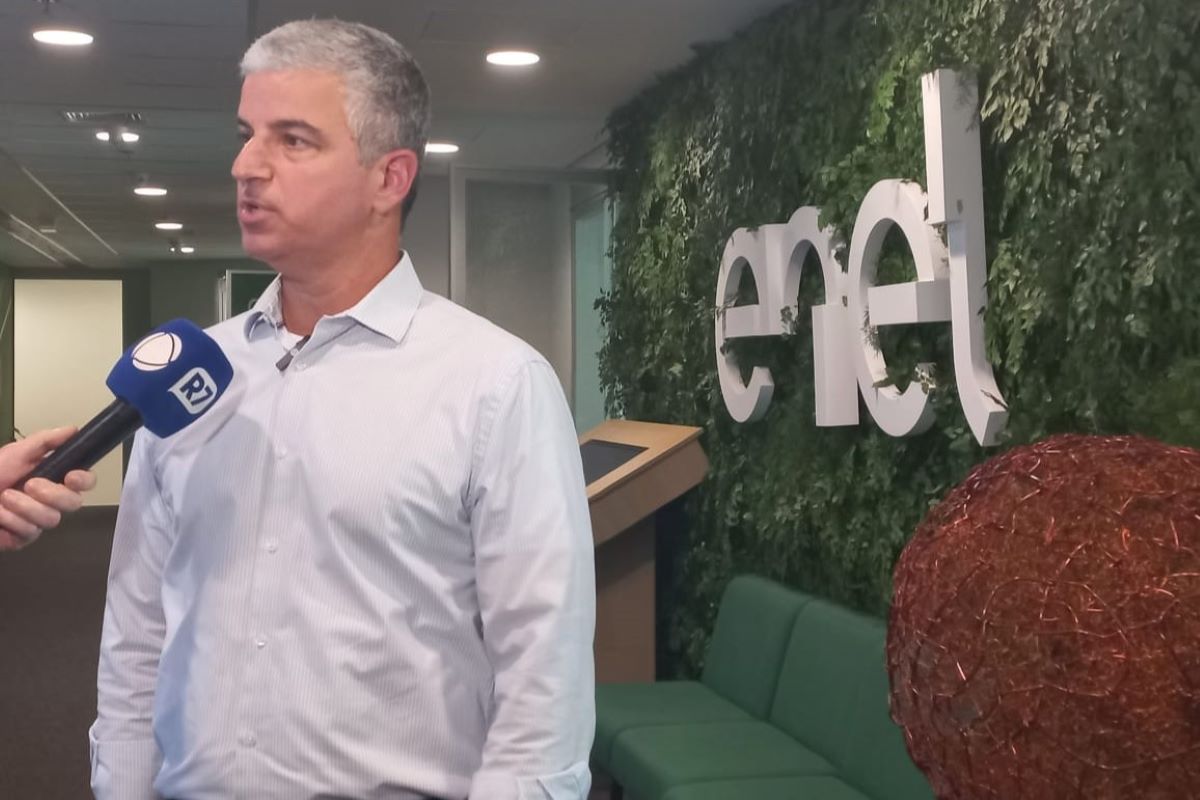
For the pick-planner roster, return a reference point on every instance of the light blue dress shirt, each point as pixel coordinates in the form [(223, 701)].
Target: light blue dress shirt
[(368, 575)]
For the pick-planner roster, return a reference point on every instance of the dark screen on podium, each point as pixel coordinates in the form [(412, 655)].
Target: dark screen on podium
[(601, 458)]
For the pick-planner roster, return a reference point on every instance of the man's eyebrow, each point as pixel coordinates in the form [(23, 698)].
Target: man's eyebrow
[(293, 124), (284, 125)]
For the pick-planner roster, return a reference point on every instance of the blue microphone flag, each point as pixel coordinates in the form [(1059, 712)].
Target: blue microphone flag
[(172, 376)]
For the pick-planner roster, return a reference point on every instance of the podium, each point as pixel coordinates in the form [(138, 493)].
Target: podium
[(632, 469)]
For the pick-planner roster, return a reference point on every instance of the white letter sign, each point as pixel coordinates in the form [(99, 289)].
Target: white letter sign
[(951, 286)]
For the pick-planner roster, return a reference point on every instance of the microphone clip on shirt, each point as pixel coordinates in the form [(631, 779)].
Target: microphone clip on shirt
[(282, 364)]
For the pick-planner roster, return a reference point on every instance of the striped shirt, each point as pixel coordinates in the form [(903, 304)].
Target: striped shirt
[(366, 575)]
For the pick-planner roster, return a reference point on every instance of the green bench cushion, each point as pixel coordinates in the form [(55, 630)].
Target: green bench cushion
[(748, 642), (620, 706), (821, 787), (879, 762), (649, 761), (833, 697)]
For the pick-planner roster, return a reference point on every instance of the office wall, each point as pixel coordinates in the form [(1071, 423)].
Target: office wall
[(67, 334), (518, 264), (427, 234), (135, 304), (186, 288)]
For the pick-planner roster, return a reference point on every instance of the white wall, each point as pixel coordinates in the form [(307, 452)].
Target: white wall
[(66, 337), (511, 254), (517, 266)]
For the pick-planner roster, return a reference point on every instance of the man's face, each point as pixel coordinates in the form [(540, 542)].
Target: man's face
[(302, 195)]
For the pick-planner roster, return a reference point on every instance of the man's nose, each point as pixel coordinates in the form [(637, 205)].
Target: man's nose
[(250, 162)]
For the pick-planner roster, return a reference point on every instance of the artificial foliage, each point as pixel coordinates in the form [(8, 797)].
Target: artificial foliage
[(1091, 149)]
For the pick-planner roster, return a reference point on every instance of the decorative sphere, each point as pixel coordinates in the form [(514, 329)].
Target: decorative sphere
[(1044, 638)]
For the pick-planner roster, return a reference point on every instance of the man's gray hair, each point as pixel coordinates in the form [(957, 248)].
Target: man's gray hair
[(387, 99)]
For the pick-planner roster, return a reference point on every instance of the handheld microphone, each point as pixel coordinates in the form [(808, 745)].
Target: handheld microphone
[(165, 382)]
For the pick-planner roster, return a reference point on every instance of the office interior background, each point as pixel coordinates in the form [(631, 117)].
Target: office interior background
[(586, 209), (514, 225), (522, 194)]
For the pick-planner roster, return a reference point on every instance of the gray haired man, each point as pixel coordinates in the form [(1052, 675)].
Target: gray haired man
[(374, 578)]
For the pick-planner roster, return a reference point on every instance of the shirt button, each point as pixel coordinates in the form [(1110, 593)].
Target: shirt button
[(247, 740), (281, 453), (260, 643), (300, 367), (272, 546)]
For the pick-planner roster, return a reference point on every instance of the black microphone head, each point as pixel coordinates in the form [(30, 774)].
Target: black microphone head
[(172, 376)]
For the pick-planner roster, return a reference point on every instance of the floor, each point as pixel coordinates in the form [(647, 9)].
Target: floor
[(51, 608)]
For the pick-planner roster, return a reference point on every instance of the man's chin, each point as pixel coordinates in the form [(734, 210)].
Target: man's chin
[(259, 247)]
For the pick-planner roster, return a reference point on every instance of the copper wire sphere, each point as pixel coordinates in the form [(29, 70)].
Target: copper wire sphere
[(1044, 639)]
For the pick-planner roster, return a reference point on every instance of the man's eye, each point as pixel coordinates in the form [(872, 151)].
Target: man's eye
[(293, 141), (243, 136)]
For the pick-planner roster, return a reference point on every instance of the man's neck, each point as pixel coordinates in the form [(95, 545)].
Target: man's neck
[(330, 288)]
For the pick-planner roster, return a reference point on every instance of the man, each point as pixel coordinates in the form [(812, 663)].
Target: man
[(373, 579), (27, 511)]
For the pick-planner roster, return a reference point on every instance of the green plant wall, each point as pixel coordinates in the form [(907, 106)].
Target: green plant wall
[(1091, 148)]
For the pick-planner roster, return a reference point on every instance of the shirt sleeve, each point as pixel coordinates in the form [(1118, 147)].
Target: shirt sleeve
[(125, 758), (536, 585)]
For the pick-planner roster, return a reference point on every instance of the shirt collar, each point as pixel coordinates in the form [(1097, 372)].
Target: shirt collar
[(387, 309)]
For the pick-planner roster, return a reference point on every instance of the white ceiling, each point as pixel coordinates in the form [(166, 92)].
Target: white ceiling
[(175, 62)]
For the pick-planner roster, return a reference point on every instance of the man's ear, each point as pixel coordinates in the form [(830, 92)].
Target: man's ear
[(397, 171)]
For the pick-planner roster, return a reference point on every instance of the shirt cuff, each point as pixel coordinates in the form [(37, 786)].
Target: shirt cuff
[(123, 770), (570, 784)]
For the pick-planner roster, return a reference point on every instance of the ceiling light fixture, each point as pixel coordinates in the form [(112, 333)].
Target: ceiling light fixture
[(169, 226), (186, 249), (59, 33), (441, 148), (145, 188), (513, 58), (119, 136), (62, 37)]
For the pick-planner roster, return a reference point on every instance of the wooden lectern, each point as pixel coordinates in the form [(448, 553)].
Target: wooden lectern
[(632, 469)]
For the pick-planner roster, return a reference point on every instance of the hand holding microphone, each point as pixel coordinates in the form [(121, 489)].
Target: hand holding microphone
[(25, 514), (165, 382)]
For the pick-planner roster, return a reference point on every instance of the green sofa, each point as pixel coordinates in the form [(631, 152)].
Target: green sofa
[(792, 705)]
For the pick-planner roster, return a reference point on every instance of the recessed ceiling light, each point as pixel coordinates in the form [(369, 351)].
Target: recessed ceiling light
[(149, 191), (186, 249), (169, 226), (129, 137), (62, 37), (513, 58), (103, 136), (441, 147)]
